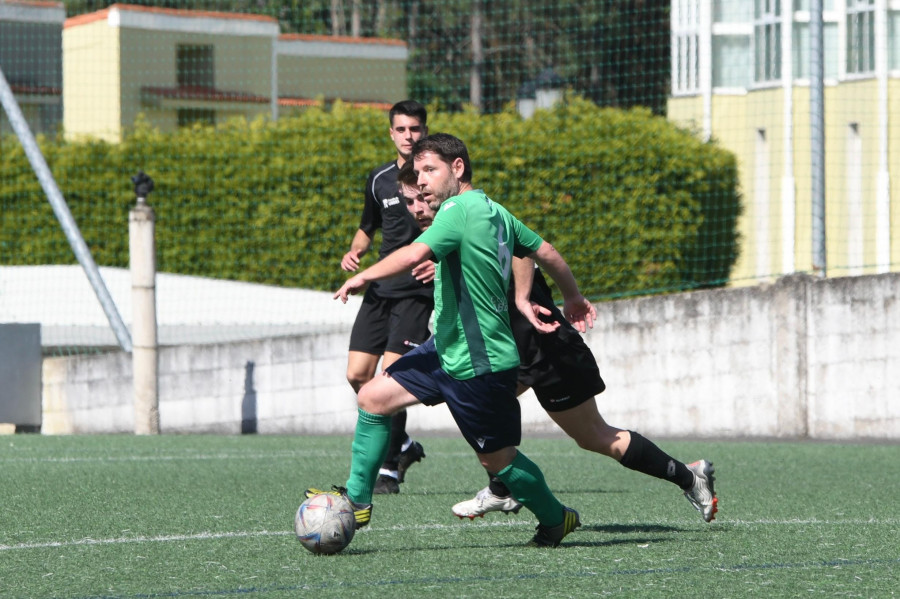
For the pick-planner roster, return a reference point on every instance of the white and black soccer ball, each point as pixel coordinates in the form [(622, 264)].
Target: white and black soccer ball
[(325, 523)]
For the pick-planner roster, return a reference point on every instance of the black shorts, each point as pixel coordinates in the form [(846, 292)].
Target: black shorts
[(484, 407), (392, 324), (559, 367)]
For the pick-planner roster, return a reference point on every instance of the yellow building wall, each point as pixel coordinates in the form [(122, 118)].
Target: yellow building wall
[(736, 122), (894, 166), (349, 79), (850, 102), (91, 79), (803, 254), (242, 64)]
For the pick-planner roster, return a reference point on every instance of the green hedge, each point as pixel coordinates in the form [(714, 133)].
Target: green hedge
[(635, 204)]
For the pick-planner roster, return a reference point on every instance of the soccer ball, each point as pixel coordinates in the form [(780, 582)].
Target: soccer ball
[(325, 523)]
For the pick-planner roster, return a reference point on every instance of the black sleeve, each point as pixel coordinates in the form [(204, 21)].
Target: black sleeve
[(371, 215)]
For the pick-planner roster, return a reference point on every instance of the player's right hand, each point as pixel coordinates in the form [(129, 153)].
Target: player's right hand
[(580, 313), (350, 261), (351, 286)]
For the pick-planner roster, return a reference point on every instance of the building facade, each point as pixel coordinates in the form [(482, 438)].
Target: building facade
[(741, 76), (357, 70), (177, 67), (31, 59)]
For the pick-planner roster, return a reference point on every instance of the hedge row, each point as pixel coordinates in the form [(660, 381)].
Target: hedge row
[(635, 204)]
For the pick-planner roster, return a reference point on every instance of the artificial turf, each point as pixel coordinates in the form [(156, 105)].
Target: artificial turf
[(211, 516)]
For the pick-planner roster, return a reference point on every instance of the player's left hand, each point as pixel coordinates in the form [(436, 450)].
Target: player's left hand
[(351, 286), (424, 272), (580, 312), (533, 312)]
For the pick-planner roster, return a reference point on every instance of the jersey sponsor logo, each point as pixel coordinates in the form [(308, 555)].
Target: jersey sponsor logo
[(390, 202), (500, 304)]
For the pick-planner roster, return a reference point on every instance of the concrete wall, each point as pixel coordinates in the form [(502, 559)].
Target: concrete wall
[(802, 357)]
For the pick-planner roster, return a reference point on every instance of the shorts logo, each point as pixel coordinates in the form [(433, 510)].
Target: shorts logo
[(390, 202), (560, 399), (409, 343), (480, 441)]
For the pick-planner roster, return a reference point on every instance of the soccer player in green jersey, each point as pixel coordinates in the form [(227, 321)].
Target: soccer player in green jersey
[(471, 363), (563, 373)]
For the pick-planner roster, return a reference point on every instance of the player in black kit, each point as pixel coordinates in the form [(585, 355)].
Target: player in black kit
[(395, 312)]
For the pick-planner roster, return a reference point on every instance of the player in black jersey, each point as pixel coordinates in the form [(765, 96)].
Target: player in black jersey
[(561, 369), (395, 312)]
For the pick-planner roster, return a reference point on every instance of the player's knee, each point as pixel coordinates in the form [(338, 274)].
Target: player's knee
[(357, 379), (371, 400)]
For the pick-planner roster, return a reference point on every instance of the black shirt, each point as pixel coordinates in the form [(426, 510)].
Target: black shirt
[(385, 209)]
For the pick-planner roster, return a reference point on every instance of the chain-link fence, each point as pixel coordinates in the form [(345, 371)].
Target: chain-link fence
[(661, 146)]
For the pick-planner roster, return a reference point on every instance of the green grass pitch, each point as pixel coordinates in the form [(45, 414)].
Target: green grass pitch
[(211, 516)]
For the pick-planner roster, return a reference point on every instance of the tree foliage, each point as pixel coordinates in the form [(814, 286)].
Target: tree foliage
[(635, 204)]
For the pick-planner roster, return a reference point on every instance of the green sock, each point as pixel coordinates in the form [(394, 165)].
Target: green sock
[(526, 481), (370, 446)]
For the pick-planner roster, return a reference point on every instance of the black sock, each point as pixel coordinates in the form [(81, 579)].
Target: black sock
[(644, 456), (398, 438), (497, 487)]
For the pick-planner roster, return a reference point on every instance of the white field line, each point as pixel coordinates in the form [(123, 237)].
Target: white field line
[(199, 457), (205, 536)]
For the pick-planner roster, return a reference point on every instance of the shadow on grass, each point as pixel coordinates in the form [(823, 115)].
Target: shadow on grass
[(631, 528), (458, 495), (579, 538)]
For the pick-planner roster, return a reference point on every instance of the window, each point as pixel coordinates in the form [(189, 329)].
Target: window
[(767, 40), (685, 46), (893, 39), (860, 36), (731, 61), (189, 116), (195, 67)]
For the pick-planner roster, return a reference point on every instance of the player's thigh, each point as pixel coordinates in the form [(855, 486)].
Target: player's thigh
[(568, 374), (385, 396), (485, 409), (408, 323), (587, 427)]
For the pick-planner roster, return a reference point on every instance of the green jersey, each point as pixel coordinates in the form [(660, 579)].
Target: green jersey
[(473, 240)]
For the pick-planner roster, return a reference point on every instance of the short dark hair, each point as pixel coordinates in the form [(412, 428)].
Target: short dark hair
[(449, 148), (407, 175), (409, 108)]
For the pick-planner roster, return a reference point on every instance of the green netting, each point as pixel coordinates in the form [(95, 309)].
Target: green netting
[(656, 144)]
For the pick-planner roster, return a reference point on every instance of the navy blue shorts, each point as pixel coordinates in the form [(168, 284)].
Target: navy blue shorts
[(485, 407)]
